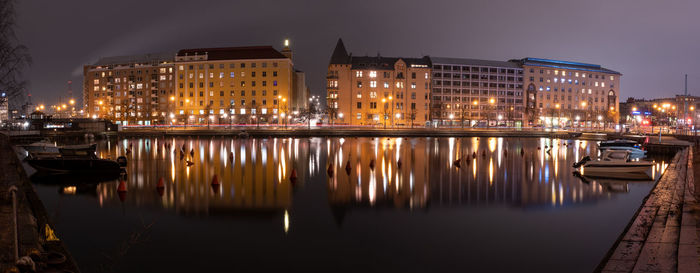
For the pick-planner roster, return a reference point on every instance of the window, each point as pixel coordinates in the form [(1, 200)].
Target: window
[(358, 74), (386, 85), (413, 85), (359, 84), (359, 105), (221, 75), (274, 73), (274, 83), (372, 74), (372, 84), (232, 74), (242, 83)]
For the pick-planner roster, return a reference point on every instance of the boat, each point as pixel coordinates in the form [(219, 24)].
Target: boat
[(612, 164), (73, 161), (632, 146), (47, 147)]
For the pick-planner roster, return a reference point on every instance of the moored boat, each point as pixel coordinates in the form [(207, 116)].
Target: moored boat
[(81, 160), (623, 145), (612, 163)]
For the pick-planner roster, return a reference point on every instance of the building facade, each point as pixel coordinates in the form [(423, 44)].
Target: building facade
[(4, 110), (387, 91), (195, 86), (674, 111), (470, 92), (233, 85), (561, 93), (130, 90)]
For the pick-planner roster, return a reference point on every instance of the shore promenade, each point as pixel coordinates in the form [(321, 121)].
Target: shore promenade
[(32, 234), (664, 235)]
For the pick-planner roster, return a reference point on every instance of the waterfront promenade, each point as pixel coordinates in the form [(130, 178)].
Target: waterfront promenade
[(664, 235), (32, 219)]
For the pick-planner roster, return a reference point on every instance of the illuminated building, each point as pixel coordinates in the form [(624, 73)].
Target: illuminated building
[(561, 93), (237, 85), (389, 91), (129, 89), (476, 91), (4, 109)]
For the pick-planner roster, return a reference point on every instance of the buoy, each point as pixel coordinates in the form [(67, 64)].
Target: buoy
[(192, 152), (215, 180), (398, 163), (330, 169), (371, 164), (122, 186), (189, 163), (293, 176)]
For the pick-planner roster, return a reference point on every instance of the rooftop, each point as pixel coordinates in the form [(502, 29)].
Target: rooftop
[(144, 58), (234, 53), (472, 62), (565, 65)]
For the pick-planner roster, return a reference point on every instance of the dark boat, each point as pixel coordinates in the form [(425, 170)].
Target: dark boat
[(73, 161)]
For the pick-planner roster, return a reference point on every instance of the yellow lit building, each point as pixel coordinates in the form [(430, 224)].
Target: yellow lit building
[(377, 90), (561, 93), (235, 85)]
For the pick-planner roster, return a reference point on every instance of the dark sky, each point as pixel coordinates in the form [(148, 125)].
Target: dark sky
[(653, 43)]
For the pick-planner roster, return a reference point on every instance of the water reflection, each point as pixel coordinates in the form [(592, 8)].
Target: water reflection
[(227, 175), (260, 175)]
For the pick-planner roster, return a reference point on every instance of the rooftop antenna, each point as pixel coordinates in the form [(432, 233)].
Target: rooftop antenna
[(70, 89), (685, 101)]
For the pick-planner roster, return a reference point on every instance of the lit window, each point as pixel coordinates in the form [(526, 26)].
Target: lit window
[(242, 111), (386, 85), (372, 83), (373, 74), (426, 75), (602, 84), (555, 79), (96, 81), (612, 78), (221, 75), (556, 72), (232, 74), (413, 85), (201, 75), (358, 74), (182, 67)]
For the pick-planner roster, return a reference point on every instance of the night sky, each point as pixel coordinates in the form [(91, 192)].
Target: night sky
[(653, 43)]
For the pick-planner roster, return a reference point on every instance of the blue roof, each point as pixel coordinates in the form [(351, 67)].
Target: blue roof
[(566, 65)]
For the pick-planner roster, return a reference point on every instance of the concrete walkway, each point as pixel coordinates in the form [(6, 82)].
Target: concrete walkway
[(31, 214), (663, 236)]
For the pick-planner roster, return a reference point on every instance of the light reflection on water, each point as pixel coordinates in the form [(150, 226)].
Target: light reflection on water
[(492, 183), (398, 172)]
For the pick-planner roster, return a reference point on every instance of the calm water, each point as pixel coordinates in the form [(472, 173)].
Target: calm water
[(501, 211)]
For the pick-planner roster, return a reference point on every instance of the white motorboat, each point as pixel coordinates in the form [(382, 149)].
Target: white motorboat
[(623, 145), (612, 163)]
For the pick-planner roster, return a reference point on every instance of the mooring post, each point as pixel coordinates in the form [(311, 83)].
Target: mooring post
[(13, 192)]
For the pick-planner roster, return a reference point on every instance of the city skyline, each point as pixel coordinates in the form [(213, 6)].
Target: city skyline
[(624, 43)]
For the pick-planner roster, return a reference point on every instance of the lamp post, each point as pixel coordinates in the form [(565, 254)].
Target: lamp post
[(476, 104), (391, 105), (385, 111), (492, 101), (583, 107), (557, 106)]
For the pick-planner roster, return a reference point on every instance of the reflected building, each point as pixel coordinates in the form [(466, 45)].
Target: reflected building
[(254, 175), (454, 172)]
